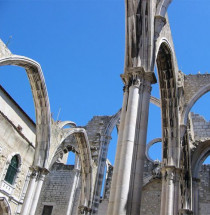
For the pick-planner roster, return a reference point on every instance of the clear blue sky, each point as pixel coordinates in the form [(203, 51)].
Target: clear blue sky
[(80, 46)]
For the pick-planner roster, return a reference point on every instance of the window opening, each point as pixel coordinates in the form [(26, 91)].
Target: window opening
[(12, 170), (47, 210)]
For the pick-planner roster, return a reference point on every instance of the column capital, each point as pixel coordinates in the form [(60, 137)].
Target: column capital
[(135, 75), (171, 172), (38, 172), (84, 209)]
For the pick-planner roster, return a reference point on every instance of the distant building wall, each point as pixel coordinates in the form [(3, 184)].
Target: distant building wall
[(57, 189)]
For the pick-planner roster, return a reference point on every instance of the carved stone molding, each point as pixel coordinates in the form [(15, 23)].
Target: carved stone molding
[(160, 21), (137, 75)]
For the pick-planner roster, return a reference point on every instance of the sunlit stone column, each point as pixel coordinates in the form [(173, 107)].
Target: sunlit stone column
[(29, 194), (139, 147), (168, 187), (196, 182), (123, 179), (118, 152), (42, 172)]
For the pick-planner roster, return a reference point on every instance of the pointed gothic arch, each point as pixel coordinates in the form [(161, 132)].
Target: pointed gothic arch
[(192, 101), (167, 81), (84, 154), (41, 102)]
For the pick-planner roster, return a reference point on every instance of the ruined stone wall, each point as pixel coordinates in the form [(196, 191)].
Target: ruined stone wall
[(151, 197), (57, 188), (193, 83), (204, 190), (201, 127)]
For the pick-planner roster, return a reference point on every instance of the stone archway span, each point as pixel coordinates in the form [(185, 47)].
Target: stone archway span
[(199, 155), (162, 7), (64, 123), (201, 152), (152, 142), (84, 153), (193, 100), (41, 102)]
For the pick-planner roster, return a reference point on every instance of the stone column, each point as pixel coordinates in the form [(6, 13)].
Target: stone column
[(139, 148), (123, 179), (40, 179), (74, 186), (118, 152), (30, 192), (196, 182), (168, 187)]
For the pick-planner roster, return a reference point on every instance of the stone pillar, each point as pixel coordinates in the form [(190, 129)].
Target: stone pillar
[(136, 112), (177, 190), (118, 152), (195, 189), (40, 179), (123, 179), (30, 192), (74, 185), (139, 148), (168, 187), (34, 190)]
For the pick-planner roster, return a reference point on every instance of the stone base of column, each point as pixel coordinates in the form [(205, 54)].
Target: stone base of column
[(185, 212)]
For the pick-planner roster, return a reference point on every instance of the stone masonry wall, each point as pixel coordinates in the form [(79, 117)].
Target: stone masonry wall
[(204, 190), (201, 127), (193, 83), (57, 189)]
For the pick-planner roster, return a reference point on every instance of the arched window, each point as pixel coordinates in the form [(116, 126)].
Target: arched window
[(12, 170)]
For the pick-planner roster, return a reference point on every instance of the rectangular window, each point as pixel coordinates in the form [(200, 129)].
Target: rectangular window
[(47, 210)]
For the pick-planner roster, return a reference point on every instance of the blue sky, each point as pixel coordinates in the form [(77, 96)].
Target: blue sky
[(80, 46)]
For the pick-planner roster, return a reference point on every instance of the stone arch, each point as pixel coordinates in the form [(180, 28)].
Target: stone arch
[(64, 123), (168, 92), (152, 142), (162, 7), (201, 152), (41, 102), (105, 138), (4, 207), (192, 101), (84, 153)]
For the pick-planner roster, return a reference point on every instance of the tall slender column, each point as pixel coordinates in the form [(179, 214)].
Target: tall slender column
[(74, 186), (139, 148), (196, 182), (40, 179), (29, 193), (123, 179), (168, 187), (117, 157)]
